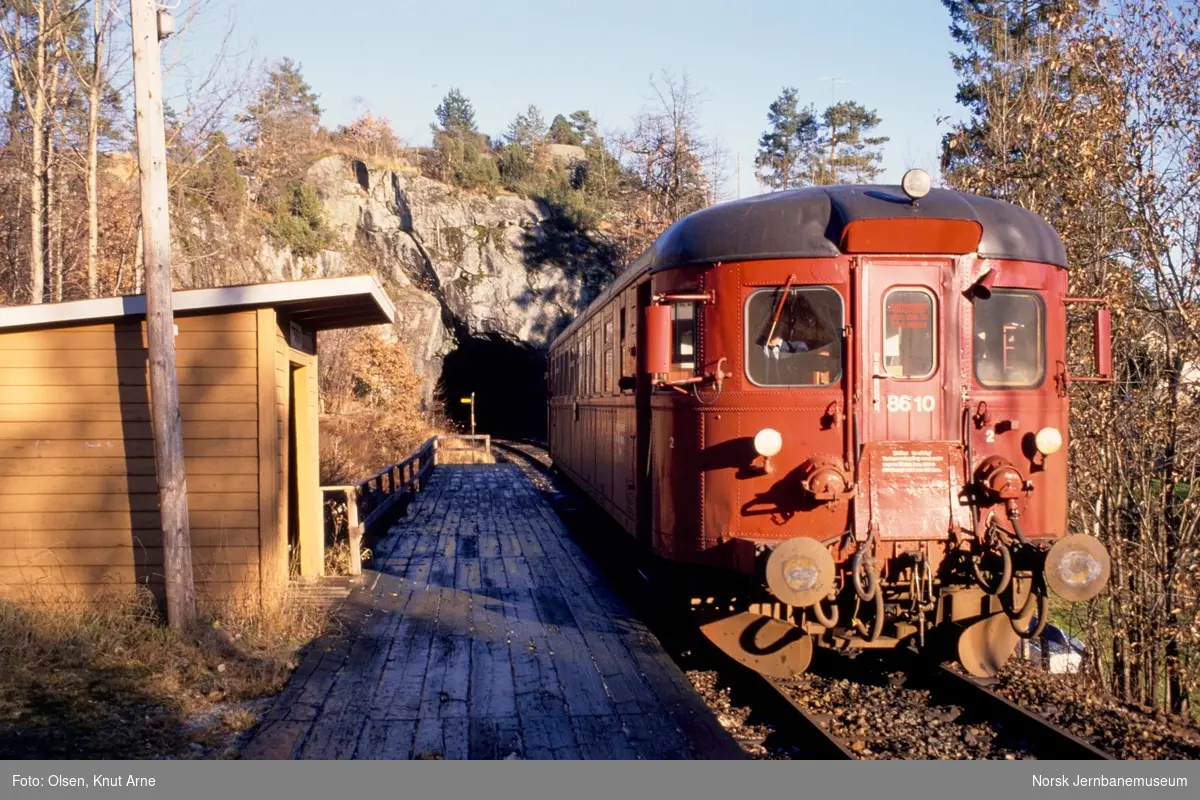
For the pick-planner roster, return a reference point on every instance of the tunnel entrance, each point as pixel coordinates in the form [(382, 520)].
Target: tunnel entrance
[(509, 382)]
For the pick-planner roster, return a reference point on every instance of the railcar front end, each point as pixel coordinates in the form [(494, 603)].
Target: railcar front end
[(855, 401)]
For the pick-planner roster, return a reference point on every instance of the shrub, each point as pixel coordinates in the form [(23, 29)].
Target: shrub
[(372, 398), (464, 160), (298, 222)]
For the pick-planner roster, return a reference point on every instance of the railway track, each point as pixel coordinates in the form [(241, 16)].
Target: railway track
[(1054, 741), (807, 733), (799, 731), (949, 697), (532, 454)]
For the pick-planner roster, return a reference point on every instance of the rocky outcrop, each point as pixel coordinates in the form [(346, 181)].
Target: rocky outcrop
[(457, 265)]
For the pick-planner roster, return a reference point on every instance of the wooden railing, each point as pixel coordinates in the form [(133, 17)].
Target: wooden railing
[(371, 499)]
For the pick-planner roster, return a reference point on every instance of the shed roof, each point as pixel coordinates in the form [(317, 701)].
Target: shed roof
[(318, 304)]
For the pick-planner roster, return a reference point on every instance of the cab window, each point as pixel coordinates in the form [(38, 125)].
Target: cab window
[(1009, 340), (683, 350), (909, 334), (794, 339)]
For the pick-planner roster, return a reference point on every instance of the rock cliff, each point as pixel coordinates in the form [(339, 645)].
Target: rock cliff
[(458, 266)]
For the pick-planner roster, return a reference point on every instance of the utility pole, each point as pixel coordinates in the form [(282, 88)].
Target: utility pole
[(739, 176), (150, 26)]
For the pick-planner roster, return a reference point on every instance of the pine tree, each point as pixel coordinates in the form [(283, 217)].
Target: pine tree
[(561, 132), (1009, 63), (788, 148), (286, 94), (585, 127), (528, 129), (854, 155), (215, 181), (282, 124), (461, 154), (455, 114)]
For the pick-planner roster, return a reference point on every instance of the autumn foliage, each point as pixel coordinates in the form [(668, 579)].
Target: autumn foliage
[(1086, 113), (372, 414)]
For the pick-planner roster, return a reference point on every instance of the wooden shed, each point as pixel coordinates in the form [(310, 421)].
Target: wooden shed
[(78, 494)]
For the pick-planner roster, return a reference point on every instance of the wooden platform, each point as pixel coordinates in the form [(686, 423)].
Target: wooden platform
[(488, 633)]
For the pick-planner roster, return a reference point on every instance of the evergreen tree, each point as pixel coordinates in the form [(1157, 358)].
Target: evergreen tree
[(854, 155), (286, 95), (561, 132), (215, 181), (1011, 64), (528, 130), (282, 123), (462, 155), (455, 114), (527, 134), (787, 149), (585, 127)]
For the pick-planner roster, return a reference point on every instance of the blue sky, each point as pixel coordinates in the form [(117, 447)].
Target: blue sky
[(400, 58)]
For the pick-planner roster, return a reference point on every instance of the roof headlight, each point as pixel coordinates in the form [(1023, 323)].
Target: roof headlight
[(916, 183)]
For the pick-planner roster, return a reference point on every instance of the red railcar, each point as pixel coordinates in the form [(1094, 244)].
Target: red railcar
[(845, 408)]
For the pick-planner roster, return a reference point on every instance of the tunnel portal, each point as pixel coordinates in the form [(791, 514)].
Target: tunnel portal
[(509, 382)]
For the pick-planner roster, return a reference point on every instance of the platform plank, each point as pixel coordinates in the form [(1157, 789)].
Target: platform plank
[(485, 631)]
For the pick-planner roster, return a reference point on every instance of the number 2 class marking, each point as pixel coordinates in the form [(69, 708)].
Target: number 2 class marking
[(990, 436), (903, 403)]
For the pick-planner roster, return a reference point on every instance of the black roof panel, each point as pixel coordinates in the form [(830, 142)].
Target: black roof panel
[(808, 223)]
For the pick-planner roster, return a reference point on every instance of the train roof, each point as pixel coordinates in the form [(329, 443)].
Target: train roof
[(809, 223)]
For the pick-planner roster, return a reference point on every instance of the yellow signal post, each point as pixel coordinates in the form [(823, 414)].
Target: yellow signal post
[(471, 401)]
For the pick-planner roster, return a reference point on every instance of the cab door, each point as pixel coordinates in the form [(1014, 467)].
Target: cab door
[(911, 462), (904, 351)]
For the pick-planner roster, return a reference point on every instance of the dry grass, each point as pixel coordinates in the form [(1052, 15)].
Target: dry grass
[(338, 557), (114, 682), (465, 457)]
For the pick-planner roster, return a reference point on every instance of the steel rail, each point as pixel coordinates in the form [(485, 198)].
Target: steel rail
[(1057, 742), (796, 723)]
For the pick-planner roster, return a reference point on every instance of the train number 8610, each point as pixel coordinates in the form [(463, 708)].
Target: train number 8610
[(904, 403)]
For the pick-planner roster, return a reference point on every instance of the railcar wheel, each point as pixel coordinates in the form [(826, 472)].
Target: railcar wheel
[(766, 645)]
